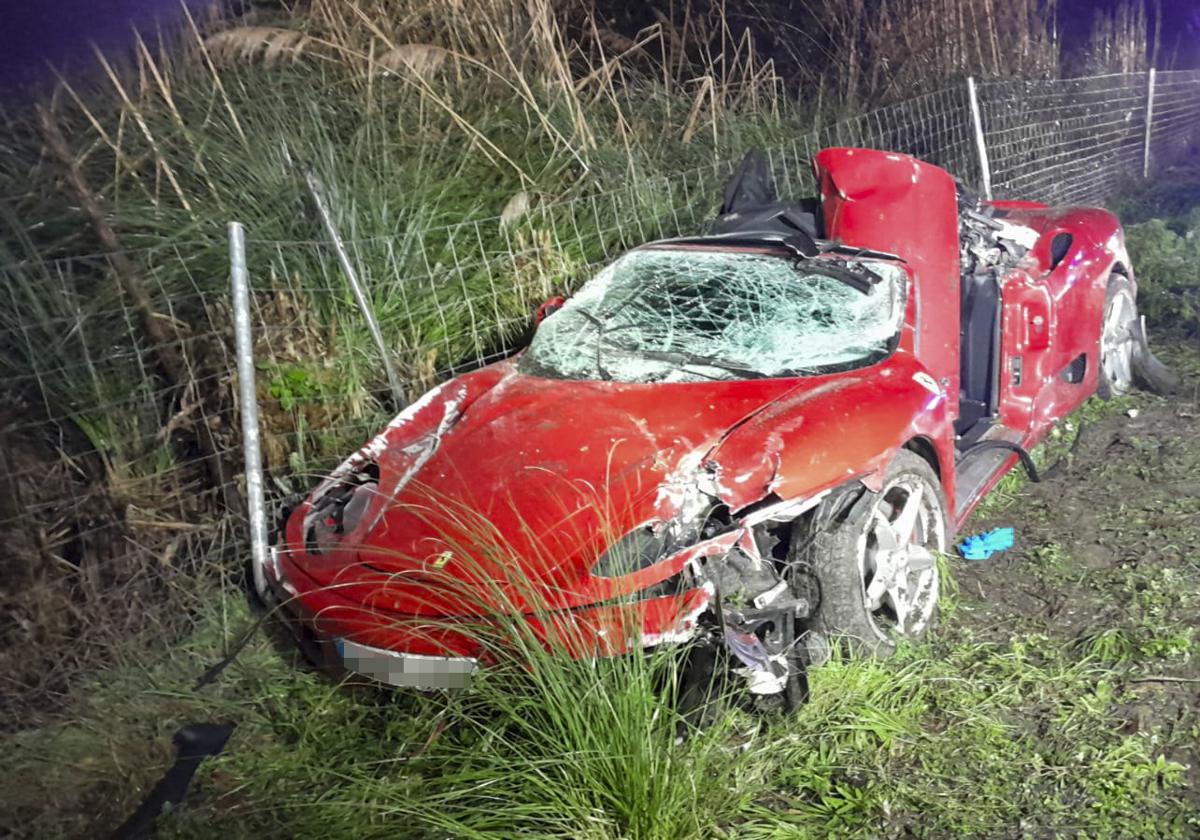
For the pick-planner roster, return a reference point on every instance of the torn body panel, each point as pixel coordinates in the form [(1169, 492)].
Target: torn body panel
[(899, 205)]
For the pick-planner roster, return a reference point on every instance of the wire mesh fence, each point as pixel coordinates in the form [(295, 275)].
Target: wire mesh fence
[(136, 438)]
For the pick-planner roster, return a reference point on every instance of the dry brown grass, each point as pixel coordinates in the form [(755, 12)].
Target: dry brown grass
[(850, 52), (892, 50), (1120, 39), (88, 566), (548, 56), (270, 44)]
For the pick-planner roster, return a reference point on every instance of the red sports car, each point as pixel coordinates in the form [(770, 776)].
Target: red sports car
[(750, 438)]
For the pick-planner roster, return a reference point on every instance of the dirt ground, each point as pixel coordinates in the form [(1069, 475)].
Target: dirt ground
[(1107, 558)]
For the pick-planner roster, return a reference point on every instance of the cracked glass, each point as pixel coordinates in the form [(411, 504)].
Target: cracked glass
[(662, 314)]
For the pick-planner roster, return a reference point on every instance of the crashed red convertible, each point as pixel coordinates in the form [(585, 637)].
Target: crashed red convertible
[(754, 438)]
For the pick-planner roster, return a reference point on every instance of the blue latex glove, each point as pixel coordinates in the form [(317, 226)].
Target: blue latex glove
[(983, 546)]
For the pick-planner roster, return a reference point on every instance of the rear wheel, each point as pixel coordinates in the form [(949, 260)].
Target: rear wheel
[(877, 567), (1118, 339)]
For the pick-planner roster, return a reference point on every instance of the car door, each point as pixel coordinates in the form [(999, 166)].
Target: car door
[(1076, 288), (1027, 329), (1049, 332)]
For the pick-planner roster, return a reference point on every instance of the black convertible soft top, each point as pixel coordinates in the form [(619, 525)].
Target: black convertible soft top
[(751, 204)]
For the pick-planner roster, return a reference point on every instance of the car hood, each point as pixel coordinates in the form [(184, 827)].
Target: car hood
[(532, 481)]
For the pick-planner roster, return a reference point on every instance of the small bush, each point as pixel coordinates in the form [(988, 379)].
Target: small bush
[(1166, 258)]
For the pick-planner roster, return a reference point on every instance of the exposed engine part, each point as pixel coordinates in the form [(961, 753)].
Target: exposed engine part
[(741, 578), (759, 614), (766, 673), (985, 242), (766, 599), (773, 660)]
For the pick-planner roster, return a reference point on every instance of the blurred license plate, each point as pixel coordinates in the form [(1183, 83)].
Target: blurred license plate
[(408, 670)]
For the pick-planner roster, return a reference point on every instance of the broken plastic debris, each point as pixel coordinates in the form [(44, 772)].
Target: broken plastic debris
[(1132, 413), (193, 743), (766, 673), (749, 649), (983, 546)]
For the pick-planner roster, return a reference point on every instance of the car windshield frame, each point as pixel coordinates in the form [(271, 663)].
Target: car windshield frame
[(673, 314)]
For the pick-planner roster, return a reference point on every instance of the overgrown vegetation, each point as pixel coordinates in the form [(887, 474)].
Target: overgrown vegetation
[(1056, 699), (1164, 243), (116, 368)]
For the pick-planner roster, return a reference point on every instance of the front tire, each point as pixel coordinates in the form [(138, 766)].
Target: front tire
[(877, 566)]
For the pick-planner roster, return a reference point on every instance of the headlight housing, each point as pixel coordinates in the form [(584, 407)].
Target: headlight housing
[(639, 549), (340, 508), (656, 540)]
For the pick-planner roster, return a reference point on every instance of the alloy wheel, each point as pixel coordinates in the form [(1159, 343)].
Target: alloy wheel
[(1117, 342), (897, 560)]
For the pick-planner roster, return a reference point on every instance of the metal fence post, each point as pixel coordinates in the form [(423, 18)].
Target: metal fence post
[(1149, 121), (248, 398), (318, 195), (984, 168)]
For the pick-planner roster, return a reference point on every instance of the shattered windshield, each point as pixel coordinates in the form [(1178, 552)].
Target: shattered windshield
[(681, 315)]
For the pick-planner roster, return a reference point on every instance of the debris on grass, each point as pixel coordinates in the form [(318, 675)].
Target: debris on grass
[(983, 546), (193, 743)]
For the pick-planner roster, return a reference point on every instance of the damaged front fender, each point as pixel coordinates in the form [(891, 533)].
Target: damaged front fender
[(351, 500), (847, 428)]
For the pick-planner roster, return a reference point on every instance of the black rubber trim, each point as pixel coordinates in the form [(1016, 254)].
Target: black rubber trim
[(1026, 459)]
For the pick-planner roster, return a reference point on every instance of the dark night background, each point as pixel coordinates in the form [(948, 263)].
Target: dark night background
[(37, 33), (34, 33)]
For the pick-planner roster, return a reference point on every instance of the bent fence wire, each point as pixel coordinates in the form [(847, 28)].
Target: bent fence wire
[(136, 450)]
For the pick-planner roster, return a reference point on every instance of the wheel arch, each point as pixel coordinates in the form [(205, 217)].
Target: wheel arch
[(871, 482), (1122, 268), (924, 448)]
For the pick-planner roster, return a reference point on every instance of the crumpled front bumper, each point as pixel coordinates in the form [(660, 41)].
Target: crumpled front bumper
[(416, 652)]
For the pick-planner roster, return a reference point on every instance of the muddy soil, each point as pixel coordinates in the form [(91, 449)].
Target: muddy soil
[(1107, 563)]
